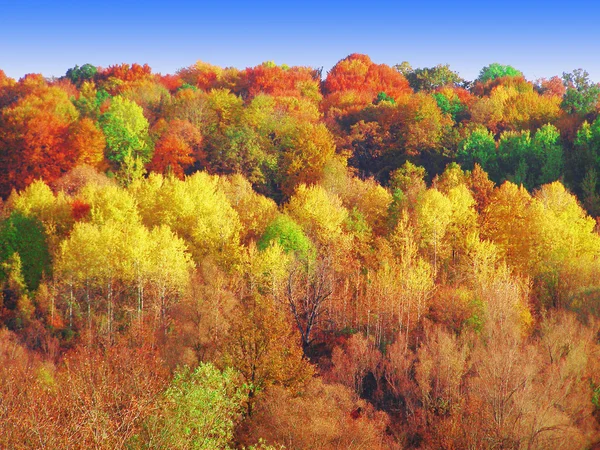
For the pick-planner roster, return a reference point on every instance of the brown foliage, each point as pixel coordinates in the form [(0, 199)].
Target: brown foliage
[(322, 416)]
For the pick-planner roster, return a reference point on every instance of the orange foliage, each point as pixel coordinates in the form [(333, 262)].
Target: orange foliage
[(202, 75), (35, 142), (87, 142), (177, 148), (277, 80), (519, 83), (66, 85), (126, 72), (358, 72), (422, 123), (171, 82)]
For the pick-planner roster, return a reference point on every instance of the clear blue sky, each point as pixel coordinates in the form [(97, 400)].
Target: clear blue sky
[(539, 38)]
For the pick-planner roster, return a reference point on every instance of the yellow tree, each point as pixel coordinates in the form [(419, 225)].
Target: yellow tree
[(507, 223), (170, 266), (196, 209), (566, 247), (433, 216)]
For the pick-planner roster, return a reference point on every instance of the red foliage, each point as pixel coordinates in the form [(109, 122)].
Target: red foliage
[(465, 97), (34, 138), (125, 72), (275, 80), (202, 75), (29, 84), (358, 72), (80, 209), (171, 82), (552, 87), (177, 148)]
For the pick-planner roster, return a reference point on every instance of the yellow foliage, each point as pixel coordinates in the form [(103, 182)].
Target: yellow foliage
[(320, 214)]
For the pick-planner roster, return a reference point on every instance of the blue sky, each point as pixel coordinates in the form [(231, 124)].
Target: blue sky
[(538, 38)]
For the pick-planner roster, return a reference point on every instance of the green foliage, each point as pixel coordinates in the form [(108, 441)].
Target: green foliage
[(582, 94), (476, 320), (431, 78), (548, 154), (289, 235), (496, 70), (407, 176), (201, 408), (187, 86), (453, 106), (596, 396), (479, 147), (26, 237), (80, 74), (90, 100), (513, 149), (383, 97), (126, 131), (518, 157)]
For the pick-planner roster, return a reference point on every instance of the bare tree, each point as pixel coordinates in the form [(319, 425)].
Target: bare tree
[(309, 285)]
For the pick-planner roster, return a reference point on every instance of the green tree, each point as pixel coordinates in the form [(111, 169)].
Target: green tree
[(25, 236), (514, 150), (582, 94), (548, 154), (289, 235), (80, 74), (479, 147), (201, 408), (126, 131), (496, 70)]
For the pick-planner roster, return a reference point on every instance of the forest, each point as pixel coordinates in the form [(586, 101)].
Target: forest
[(376, 257)]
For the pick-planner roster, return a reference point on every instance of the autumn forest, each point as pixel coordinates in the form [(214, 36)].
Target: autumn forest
[(375, 257)]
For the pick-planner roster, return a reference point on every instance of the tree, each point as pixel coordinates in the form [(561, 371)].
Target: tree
[(271, 79), (481, 187), (506, 223), (289, 235), (422, 124), (88, 142), (201, 408), (309, 286), (321, 215), (26, 237), (549, 154), (78, 75), (450, 103), (126, 131), (496, 70), (178, 147), (432, 78), (169, 267), (35, 136), (196, 209), (319, 417), (433, 212), (582, 95), (255, 211), (264, 349), (306, 150), (357, 72), (514, 149)]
